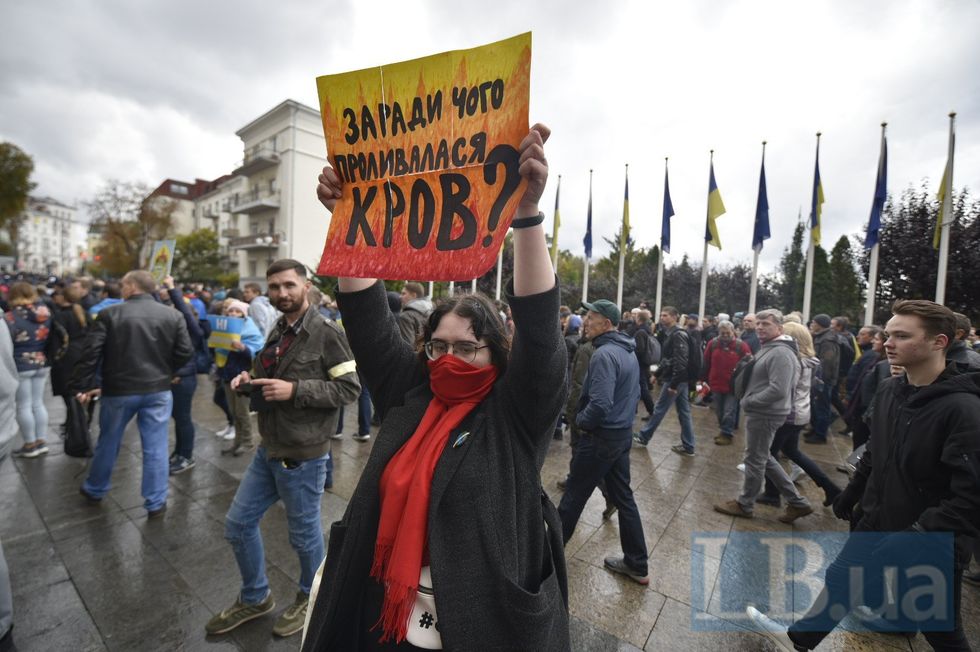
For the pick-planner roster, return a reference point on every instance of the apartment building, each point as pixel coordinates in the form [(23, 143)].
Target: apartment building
[(51, 239)]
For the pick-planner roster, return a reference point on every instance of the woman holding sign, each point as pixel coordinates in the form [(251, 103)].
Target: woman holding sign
[(449, 540)]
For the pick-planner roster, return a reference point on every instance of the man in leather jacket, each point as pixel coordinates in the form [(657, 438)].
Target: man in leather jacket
[(140, 345)]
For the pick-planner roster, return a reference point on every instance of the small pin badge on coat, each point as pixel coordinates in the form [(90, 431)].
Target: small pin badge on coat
[(461, 439)]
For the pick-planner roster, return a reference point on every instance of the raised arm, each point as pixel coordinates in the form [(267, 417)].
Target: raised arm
[(533, 273)]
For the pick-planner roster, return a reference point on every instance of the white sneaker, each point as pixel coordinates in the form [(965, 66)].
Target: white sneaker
[(795, 472), (228, 436), (741, 467), (772, 630), (224, 431)]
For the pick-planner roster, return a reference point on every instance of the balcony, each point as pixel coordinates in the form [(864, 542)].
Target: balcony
[(256, 160), (256, 241), (256, 202), (230, 233)]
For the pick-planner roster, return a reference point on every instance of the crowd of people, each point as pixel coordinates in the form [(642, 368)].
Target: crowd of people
[(449, 541)]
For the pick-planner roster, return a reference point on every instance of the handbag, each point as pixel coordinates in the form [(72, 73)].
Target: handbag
[(78, 438)]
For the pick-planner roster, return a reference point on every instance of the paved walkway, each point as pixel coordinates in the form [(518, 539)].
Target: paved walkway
[(104, 578)]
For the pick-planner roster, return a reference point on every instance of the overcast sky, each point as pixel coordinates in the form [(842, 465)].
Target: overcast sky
[(142, 91)]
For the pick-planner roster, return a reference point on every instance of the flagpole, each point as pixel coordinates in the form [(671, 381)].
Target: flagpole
[(623, 237), (473, 286), (755, 257), (500, 267), (808, 282), (585, 282), (704, 260), (452, 288), (432, 287), (554, 230), (947, 219), (660, 258), (869, 304)]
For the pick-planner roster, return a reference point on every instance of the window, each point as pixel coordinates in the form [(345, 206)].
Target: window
[(179, 189)]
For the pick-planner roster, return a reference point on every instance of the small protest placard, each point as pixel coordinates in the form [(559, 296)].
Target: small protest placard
[(225, 331), (162, 259), (428, 153)]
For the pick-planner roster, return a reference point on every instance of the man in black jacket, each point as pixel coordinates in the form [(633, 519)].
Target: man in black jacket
[(827, 345), (673, 378), (141, 344), (918, 475)]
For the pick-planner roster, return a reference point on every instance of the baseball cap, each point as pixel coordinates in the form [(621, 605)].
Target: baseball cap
[(606, 308)]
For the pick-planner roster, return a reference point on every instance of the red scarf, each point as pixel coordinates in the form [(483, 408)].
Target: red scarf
[(406, 484)]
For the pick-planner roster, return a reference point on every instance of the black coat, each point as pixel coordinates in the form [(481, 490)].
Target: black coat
[(494, 538), (61, 370), (922, 463)]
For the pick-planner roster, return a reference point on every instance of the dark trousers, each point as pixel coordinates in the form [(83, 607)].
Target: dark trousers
[(836, 400), (787, 440), (183, 391), (836, 592), (605, 458), (859, 434), (221, 401), (820, 409), (645, 396)]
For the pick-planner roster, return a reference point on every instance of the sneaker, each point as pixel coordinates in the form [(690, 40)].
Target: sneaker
[(562, 484), (794, 512), (156, 513), (732, 508), (32, 450), (815, 439), (776, 633), (795, 473), (224, 431), (181, 464), (680, 450), (337, 435), (740, 466), (239, 613), (293, 618), (638, 440), (89, 498), (723, 440), (238, 450), (618, 565), (230, 434), (366, 436)]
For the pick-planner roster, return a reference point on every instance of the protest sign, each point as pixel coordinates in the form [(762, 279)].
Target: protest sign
[(162, 259), (427, 151), (225, 331)]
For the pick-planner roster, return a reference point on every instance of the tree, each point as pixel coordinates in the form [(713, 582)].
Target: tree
[(129, 223), (907, 263), (787, 283), (16, 168), (198, 257), (848, 287)]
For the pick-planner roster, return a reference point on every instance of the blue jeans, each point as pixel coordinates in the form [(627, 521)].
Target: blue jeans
[(32, 416), (266, 481), (820, 409), (183, 393), (599, 459), (725, 408), (152, 413), (664, 401)]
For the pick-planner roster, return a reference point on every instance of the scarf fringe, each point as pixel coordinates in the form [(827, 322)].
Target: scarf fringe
[(395, 610), (382, 555)]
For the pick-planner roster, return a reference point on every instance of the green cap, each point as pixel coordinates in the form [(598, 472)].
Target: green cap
[(606, 308)]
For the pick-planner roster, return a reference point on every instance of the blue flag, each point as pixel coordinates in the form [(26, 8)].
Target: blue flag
[(587, 241), (668, 213), (761, 231), (878, 205)]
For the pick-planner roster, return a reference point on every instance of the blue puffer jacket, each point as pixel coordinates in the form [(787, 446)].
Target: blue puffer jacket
[(29, 327), (612, 385)]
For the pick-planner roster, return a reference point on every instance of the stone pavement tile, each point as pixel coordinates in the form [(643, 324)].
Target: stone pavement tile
[(53, 617), (612, 603), (686, 522), (20, 517), (586, 637), (674, 569), (660, 482), (332, 508), (605, 542), (583, 532), (677, 630), (34, 564), (204, 474), (216, 503)]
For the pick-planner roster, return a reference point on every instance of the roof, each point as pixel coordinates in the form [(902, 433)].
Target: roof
[(279, 107)]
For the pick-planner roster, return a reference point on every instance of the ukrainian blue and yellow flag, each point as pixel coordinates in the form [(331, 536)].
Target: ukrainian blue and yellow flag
[(760, 232), (716, 208), (624, 235), (816, 202), (873, 235), (941, 213)]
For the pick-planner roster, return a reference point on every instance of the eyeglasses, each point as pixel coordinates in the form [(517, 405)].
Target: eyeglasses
[(465, 351)]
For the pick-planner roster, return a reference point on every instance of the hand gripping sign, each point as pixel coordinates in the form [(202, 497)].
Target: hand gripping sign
[(427, 151)]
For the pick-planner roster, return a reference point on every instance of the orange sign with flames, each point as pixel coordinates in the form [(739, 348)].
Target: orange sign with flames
[(427, 151)]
